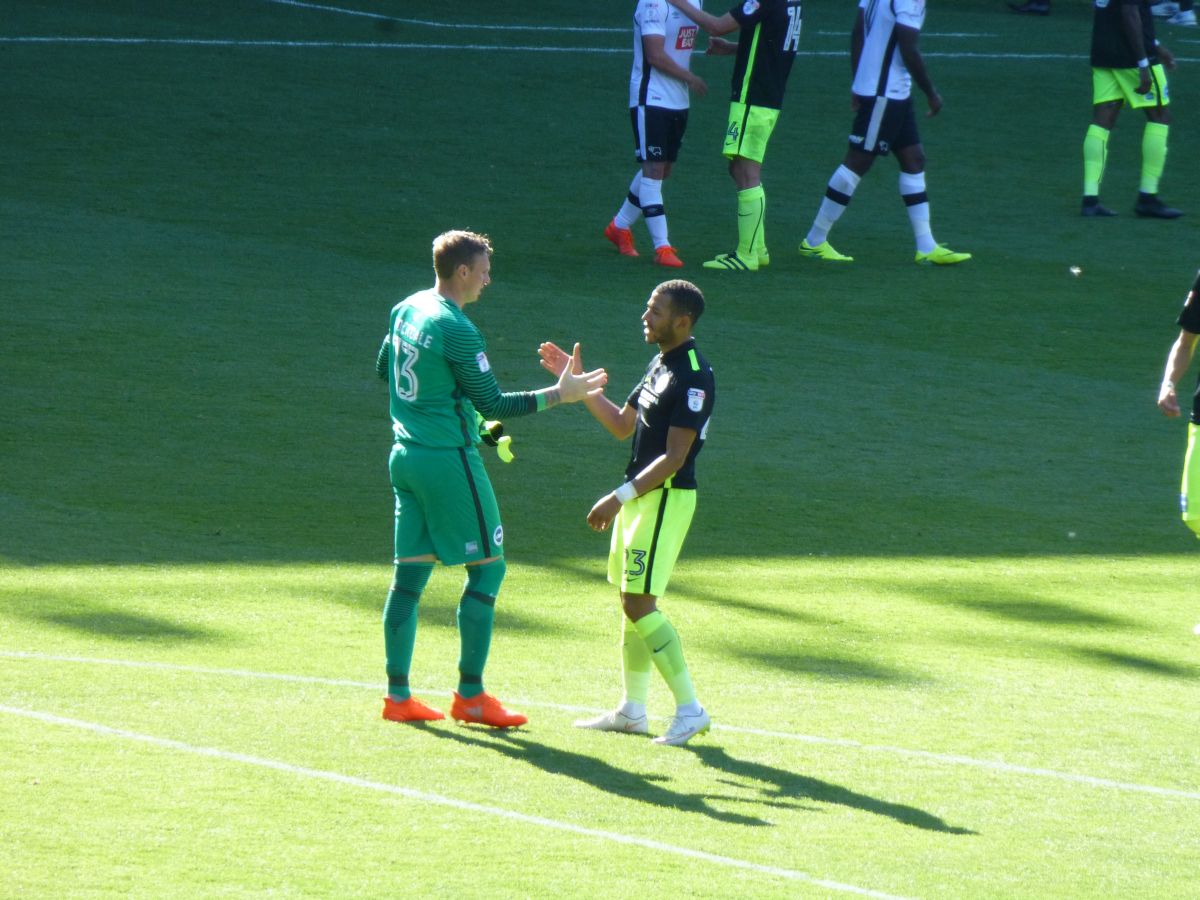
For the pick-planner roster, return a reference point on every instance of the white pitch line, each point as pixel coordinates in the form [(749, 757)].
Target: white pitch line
[(464, 26), (586, 29), (440, 800), (485, 48), (951, 758)]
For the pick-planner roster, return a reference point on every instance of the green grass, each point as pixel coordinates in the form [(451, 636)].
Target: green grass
[(936, 581)]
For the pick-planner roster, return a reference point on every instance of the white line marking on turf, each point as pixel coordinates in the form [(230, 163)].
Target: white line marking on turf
[(468, 26), (593, 29), (439, 800), (480, 48), (955, 759)]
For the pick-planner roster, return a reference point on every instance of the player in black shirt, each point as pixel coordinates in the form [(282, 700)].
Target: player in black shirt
[(667, 414), (1178, 361), (1127, 67), (768, 40)]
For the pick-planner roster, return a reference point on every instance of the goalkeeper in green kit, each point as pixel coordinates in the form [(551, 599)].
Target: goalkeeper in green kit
[(440, 383)]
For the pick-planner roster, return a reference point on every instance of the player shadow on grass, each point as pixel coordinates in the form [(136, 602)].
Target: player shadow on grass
[(96, 620), (599, 774), (782, 783)]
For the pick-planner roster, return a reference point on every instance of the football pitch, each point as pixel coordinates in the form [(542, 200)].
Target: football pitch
[(937, 596)]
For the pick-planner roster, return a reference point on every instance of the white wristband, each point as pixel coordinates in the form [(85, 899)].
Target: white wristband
[(1143, 63), (626, 492), (1168, 384)]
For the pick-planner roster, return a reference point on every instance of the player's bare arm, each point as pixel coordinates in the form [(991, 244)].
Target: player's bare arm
[(679, 444), (1178, 360), (720, 47), (857, 38), (573, 383), (1167, 57), (906, 41), (1131, 21), (710, 23), (654, 49), (619, 421)]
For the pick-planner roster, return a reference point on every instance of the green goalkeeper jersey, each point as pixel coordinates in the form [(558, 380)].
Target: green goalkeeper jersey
[(436, 366)]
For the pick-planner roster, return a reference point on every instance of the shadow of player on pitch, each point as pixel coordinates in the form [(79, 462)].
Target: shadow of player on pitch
[(782, 783), (601, 775)]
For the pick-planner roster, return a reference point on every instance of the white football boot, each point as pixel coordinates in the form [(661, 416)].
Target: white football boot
[(615, 721), (684, 728)]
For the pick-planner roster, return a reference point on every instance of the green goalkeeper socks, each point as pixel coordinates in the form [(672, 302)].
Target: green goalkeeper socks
[(476, 615), (667, 655), (400, 624)]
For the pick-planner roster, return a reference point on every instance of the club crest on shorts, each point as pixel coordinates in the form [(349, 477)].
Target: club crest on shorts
[(498, 536), (749, 7), (695, 399)]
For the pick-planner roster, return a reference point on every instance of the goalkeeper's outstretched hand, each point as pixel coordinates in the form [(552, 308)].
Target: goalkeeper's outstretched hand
[(574, 384)]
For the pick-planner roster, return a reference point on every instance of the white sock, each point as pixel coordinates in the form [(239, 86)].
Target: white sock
[(631, 208), (841, 188), (916, 201), (633, 709), (652, 209), (689, 709)]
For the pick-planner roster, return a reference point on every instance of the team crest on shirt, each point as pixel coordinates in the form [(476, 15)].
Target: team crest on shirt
[(749, 7), (662, 382), (482, 360), (695, 399)]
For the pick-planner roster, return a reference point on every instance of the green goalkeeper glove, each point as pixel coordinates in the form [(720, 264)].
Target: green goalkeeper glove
[(492, 434)]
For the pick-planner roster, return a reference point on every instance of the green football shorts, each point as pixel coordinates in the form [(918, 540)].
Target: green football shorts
[(1189, 490), (748, 131), (646, 539), (1122, 84), (444, 505)]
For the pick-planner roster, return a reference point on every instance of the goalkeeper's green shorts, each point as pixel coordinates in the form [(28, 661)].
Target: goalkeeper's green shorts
[(647, 536), (444, 505), (1189, 490)]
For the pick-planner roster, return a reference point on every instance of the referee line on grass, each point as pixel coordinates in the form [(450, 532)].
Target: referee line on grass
[(950, 758), (440, 800)]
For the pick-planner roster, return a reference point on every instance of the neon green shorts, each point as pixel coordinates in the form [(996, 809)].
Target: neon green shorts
[(444, 505), (646, 539), (748, 131), (1189, 489), (1122, 84)]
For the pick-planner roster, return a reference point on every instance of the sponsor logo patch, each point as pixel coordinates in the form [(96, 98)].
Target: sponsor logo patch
[(471, 547), (662, 382), (750, 7), (695, 399), (482, 360), (687, 38)]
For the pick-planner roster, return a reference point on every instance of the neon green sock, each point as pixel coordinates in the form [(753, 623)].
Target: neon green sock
[(1095, 155), (752, 215), (476, 615), (400, 624), (1154, 155), (635, 657), (667, 655)]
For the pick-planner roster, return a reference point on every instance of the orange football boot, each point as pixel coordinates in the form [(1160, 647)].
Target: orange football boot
[(666, 256), (622, 237), (410, 710), (484, 709)]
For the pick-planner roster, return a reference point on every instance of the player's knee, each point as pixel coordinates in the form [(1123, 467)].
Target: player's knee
[(487, 577), (637, 606)]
